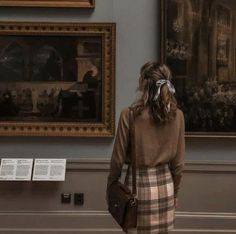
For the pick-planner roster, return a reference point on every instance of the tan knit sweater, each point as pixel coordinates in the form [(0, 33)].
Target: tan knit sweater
[(155, 144)]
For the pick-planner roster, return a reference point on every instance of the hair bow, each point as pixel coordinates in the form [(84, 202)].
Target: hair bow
[(159, 84)]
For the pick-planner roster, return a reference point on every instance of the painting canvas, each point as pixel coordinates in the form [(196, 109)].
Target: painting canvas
[(198, 43), (57, 78)]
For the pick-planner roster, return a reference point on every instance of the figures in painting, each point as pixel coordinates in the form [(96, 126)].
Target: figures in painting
[(46, 81)]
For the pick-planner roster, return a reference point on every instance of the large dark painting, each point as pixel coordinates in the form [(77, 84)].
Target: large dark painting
[(55, 77), (198, 42)]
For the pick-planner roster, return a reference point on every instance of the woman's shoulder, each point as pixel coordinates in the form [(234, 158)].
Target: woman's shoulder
[(180, 116), (179, 113), (125, 111), (124, 116)]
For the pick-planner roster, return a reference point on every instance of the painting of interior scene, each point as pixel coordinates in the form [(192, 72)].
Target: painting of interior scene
[(51, 78), (201, 51)]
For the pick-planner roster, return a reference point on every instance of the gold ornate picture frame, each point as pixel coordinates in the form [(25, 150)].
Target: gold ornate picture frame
[(57, 79), (49, 3), (197, 41)]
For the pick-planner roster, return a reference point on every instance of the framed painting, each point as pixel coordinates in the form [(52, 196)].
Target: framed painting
[(57, 79), (198, 43), (49, 3)]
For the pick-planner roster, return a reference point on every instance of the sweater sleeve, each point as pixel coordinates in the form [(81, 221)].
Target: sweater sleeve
[(120, 148), (177, 163)]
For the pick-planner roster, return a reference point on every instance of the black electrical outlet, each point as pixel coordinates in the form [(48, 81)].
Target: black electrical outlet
[(65, 198), (79, 199)]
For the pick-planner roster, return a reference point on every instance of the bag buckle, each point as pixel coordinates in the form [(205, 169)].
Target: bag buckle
[(133, 201)]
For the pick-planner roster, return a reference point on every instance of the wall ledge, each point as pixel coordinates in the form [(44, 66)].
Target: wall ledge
[(197, 166)]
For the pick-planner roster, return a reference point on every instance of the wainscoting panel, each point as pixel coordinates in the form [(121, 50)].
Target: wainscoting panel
[(206, 201)]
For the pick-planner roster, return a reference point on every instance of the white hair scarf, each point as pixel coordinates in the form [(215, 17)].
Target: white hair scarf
[(159, 84)]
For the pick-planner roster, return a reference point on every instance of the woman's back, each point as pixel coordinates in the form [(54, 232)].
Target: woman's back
[(156, 143)]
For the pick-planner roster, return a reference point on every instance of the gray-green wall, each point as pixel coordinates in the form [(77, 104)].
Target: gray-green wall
[(137, 42)]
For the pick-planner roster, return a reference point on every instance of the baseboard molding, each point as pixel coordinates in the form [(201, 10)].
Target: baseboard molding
[(205, 221), (107, 231), (101, 222), (201, 231), (59, 231), (110, 231)]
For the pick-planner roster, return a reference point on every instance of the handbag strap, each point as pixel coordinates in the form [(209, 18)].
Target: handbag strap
[(133, 151)]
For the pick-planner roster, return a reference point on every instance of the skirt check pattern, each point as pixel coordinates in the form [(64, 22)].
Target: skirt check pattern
[(155, 195)]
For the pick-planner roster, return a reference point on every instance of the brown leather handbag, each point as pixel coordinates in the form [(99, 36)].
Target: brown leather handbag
[(122, 203)]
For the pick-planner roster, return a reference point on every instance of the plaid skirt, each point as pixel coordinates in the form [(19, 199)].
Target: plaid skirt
[(155, 195)]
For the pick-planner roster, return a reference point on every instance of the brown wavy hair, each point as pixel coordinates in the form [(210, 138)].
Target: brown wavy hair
[(164, 108)]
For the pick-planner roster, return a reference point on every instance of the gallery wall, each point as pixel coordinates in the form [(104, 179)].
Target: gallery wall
[(136, 42)]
